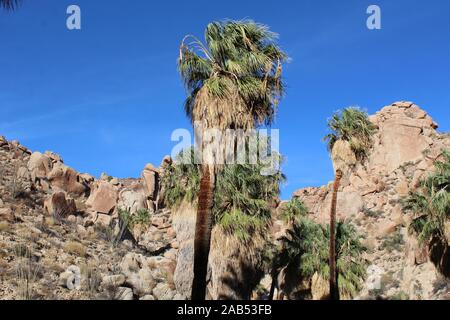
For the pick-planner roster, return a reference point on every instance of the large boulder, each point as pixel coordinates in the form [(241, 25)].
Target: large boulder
[(150, 177), (67, 179), (103, 198), (58, 204), (39, 166), (403, 135), (132, 199)]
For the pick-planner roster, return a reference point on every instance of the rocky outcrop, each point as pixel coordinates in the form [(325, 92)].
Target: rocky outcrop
[(404, 149), (58, 204), (150, 177), (133, 198), (68, 180), (103, 198)]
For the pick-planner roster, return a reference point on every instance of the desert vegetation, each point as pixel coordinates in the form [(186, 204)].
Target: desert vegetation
[(430, 205)]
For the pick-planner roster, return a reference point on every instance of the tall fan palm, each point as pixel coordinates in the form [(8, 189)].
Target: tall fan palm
[(349, 140), (9, 4), (233, 82)]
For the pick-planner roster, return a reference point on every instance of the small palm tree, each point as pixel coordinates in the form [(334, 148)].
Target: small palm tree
[(9, 4), (431, 206), (306, 248), (233, 82), (294, 211), (351, 127)]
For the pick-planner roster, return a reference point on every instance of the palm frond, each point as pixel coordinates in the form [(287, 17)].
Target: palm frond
[(234, 79), (10, 4), (352, 125)]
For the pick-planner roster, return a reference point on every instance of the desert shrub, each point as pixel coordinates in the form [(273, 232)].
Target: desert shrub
[(401, 295), (20, 250), (293, 211), (4, 226), (394, 242), (75, 248), (141, 217), (372, 213)]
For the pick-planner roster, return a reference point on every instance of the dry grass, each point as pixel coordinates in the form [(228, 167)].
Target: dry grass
[(75, 248), (93, 280), (27, 274), (4, 226)]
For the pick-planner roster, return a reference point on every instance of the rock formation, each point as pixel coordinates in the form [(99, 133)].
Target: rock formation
[(405, 147)]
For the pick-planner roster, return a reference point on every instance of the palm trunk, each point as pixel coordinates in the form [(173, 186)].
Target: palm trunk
[(334, 290), (203, 230), (274, 284)]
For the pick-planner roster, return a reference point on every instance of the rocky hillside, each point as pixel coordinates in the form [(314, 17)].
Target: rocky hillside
[(405, 148), (60, 236), (64, 235)]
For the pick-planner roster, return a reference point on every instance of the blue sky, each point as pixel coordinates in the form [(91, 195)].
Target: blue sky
[(108, 97)]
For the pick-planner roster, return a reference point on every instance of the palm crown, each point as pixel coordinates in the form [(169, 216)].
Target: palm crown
[(351, 125), (234, 80)]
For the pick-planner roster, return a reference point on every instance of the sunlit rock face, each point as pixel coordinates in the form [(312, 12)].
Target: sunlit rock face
[(405, 147)]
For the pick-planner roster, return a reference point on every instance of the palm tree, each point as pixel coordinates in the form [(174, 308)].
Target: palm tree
[(233, 82), (431, 208), (349, 141), (304, 253), (351, 125), (334, 292), (241, 218), (9, 4)]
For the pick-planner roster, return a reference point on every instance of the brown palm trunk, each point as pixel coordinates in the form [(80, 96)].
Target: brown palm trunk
[(334, 290), (203, 230)]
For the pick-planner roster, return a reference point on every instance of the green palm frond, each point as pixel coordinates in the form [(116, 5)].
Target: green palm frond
[(352, 125), (307, 244), (234, 78), (293, 211), (431, 203), (242, 199)]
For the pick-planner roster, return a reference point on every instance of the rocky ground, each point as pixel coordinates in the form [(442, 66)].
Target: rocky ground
[(59, 236)]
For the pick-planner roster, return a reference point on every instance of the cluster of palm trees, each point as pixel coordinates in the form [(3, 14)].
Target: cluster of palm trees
[(234, 81), (303, 254), (241, 213)]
